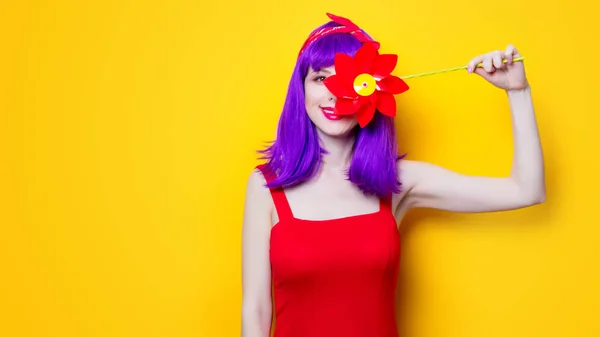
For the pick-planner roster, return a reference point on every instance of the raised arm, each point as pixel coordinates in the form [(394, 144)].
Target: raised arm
[(432, 186), (256, 269)]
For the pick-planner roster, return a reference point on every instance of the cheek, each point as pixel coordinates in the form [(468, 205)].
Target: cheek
[(315, 93), (311, 96)]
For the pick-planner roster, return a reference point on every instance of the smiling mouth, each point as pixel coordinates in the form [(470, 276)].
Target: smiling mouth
[(329, 114)]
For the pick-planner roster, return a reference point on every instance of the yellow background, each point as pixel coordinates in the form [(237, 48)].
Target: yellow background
[(128, 130)]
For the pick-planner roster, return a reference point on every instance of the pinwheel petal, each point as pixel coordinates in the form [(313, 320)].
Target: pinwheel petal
[(392, 84), (344, 64), (336, 85), (384, 65), (386, 104), (345, 106), (345, 68), (365, 57), (365, 114)]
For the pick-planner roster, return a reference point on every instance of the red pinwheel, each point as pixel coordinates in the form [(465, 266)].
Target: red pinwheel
[(363, 84)]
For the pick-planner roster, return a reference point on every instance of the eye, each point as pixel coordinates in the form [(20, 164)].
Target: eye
[(319, 78)]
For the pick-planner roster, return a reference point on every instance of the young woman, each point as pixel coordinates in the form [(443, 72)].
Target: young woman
[(322, 213)]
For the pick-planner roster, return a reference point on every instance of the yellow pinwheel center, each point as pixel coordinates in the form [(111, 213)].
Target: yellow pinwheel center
[(364, 84)]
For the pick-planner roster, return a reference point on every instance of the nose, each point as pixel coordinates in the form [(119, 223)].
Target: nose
[(332, 98)]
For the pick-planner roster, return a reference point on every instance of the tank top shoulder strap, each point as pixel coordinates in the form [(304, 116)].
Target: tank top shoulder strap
[(385, 204), (279, 199)]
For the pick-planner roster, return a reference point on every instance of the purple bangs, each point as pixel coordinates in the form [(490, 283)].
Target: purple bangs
[(295, 155)]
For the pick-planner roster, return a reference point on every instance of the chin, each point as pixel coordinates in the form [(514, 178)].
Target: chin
[(339, 131), (336, 128)]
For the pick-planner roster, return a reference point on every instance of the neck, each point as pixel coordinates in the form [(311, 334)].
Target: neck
[(339, 151)]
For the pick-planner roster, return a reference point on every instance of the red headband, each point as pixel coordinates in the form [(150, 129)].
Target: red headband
[(347, 26)]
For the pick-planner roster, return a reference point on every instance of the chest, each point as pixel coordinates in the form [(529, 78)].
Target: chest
[(329, 199), (350, 246)]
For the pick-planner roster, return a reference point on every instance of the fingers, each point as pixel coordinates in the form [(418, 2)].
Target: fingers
[(473, 63), (487, 63), (510, 49), (483, 61), (509, 53), (493, 61), (497, 60)]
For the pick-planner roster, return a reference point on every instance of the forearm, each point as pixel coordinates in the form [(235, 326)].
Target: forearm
[(528, 162)]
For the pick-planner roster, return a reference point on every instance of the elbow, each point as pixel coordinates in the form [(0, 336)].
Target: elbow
[(256, 320), (532, 199), (531, 194), (541, 198), (538, 200)]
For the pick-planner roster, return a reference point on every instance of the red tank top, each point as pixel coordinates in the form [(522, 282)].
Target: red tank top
[(334, 278)]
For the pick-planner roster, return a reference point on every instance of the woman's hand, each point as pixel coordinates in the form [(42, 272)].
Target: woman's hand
[(507, 76)]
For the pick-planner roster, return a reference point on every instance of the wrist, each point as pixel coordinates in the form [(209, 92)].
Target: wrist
[(519, 91)]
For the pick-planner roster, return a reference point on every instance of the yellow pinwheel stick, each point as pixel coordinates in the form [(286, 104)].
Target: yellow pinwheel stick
[(516, 59)]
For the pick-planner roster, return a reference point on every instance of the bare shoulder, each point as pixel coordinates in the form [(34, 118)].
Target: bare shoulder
[(256, 182), (411, 173), (406, 171), (258, 202)]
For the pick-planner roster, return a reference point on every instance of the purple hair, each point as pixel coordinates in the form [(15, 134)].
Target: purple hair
[(295, 155)]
